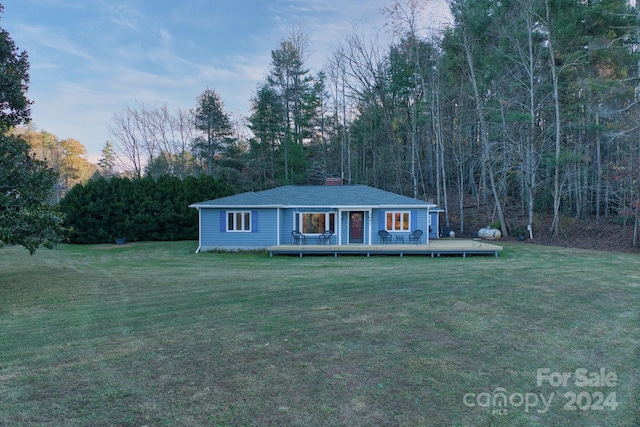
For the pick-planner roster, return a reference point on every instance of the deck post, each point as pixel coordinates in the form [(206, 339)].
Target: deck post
[(370, 226), (278, 226), (339, 233)]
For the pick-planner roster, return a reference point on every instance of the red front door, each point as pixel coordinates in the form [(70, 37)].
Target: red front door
[(356, 222)]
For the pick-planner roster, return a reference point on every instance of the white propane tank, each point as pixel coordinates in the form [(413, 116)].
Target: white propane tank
[(489, 233)]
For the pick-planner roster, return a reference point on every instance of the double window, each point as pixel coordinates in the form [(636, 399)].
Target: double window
[(239, 221), (398, 221), (315, 222)]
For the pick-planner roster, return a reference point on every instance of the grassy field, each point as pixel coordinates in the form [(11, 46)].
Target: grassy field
[(153, 334)]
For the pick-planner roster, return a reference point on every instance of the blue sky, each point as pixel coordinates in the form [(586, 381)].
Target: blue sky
[(91, 59)]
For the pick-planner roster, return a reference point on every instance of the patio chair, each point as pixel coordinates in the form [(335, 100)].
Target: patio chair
[(384, 236), (325, 238), (415, 236), (298, 238)]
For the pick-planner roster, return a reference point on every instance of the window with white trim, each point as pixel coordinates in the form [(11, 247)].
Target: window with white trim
[(315, 222), (239, 221), (398, 221)]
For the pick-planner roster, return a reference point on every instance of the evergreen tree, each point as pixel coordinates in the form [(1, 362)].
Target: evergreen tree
[(290, 79), (148, 208), (107, 162), (215, 127), (266, 121)]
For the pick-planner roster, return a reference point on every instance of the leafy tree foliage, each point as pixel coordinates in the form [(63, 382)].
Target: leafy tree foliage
[(14, 79), (25, 183), (66, 157), (137, 209)]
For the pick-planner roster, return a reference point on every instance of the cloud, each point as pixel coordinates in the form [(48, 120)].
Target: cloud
[(46, 41), (126, 17), (165, 36)]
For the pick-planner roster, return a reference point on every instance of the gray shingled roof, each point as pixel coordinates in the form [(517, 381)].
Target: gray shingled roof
[(316, 196)]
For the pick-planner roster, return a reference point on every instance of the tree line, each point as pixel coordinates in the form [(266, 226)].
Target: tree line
[(521, 106)]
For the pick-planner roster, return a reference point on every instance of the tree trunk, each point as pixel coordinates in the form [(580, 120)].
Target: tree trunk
[(483, 135), (555, 225)]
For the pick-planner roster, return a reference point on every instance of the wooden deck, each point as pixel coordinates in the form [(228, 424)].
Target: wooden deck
[(435, 248)]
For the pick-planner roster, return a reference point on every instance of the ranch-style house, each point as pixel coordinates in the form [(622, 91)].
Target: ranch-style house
[(311, 215)]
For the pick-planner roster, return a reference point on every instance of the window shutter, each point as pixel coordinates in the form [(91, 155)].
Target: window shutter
[(223, 221), (254, 221), (381, 220), (414, 220)]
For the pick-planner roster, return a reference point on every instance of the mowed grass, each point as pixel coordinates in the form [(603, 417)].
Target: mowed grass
[(153, 334)]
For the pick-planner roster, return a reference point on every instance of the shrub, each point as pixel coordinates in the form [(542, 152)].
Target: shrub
[(140, 209)]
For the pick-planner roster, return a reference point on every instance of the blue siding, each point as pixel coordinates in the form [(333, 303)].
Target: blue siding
[(223, 221), (264, 228), (254, 221), (377, 224), (344, 228), (286, 226), (214, 234)]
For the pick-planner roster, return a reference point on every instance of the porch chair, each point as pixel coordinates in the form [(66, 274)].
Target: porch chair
[(384, 236), (415, 236), (298, 238), (325, 237)]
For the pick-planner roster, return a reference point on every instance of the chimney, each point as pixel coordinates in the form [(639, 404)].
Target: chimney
[(333, 181)]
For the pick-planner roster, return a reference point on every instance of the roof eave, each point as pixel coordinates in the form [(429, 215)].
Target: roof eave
[(398, 206), (201, 206), (343, 207)]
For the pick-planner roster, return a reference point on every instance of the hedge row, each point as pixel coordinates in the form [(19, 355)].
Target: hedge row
[(141, 209)]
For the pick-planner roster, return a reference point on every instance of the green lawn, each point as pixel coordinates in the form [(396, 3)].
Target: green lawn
[(153, 334)]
